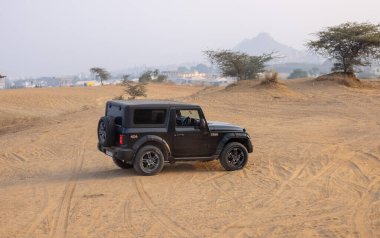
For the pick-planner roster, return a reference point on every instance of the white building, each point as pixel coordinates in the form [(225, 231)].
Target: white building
[(2, 83)]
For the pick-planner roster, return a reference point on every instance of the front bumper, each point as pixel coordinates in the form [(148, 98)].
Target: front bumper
[(118, 153), (250, 146)]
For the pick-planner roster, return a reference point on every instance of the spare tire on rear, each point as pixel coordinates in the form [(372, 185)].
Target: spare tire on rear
[(106, 131)]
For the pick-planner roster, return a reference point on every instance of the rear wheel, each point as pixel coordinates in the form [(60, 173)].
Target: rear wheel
[(234, 156), (122, 164), (149, 160)]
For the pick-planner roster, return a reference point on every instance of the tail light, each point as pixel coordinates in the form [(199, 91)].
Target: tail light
[(121, 139)]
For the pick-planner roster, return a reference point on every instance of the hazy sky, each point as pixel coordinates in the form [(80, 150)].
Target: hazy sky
[(51, 37)]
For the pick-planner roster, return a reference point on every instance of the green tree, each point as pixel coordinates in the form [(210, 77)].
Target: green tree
[(348, 45), (237, 64), (146, 76), (125, 79), (298, 73), (136, 90), (201, 68), (100, 73), (161, 78), (152, 76)]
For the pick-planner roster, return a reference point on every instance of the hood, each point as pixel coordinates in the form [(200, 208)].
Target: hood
[(223, 126)]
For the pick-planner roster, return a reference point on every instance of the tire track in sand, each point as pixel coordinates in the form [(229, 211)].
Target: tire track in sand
[(171, 226), (360, 224), (127, 215), (61, 217), (42, 215)]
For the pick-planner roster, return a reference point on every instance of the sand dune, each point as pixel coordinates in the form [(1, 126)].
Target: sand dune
[(315, 170)]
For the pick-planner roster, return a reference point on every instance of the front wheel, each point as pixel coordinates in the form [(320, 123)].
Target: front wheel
[(234, 156), (149, 160)]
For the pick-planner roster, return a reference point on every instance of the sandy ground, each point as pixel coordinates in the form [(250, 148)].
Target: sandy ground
[(315, 170)]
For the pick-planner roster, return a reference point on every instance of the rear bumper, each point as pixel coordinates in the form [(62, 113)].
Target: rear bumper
[(117, 153)]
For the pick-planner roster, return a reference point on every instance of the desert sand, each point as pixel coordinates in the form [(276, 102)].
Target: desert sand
[(314, 172)]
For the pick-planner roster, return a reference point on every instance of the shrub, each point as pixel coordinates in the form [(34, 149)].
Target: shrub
[(136, 90), (298, 73)]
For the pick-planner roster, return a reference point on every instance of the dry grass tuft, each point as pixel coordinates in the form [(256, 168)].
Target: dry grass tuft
[(270, 78)]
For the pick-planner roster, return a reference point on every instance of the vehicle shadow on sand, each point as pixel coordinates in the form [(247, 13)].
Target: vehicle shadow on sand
[(87, 174)]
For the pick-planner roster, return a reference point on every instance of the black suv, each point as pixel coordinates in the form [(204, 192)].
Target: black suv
[(143, 134)]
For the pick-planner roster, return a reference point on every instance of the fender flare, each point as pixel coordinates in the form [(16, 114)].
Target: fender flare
[(227, 137), (152, 138)]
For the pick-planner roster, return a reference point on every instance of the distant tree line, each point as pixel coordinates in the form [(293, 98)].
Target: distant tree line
[(201, 68), (348, 45), (152, 76)]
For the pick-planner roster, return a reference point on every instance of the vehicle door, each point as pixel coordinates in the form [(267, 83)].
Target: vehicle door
[(188, 139)]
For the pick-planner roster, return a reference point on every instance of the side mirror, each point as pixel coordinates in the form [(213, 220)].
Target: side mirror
[(202, 124)]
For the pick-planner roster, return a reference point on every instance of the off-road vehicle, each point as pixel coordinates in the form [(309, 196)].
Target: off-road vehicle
[(144, 134)]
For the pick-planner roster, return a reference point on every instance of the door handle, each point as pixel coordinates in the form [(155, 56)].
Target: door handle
[(179, 134)]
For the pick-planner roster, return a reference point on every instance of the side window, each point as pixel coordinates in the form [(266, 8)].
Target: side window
[(187, 118), (149, 116)]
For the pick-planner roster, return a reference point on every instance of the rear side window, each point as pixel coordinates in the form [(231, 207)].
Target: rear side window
[(149, 116)]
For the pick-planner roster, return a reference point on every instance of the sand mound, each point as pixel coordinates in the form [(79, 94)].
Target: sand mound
[(279, 89), (242, 85), (346, 79)]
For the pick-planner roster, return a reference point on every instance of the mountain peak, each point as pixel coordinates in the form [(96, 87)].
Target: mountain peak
[(263, 35), (264, 43)]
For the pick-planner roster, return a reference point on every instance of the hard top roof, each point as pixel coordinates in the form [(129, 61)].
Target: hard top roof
[(146, 102)]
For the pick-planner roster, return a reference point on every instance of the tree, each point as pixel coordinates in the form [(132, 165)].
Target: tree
[(202, 68), (152, 75), (136, 90), (146, 76), (100, 73), (161, 78), (298, 73), (237, 64), (348, 45), (125, 79)]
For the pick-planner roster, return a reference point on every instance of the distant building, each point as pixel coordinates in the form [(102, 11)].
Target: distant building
[(87, 83), (194, 75), (112, 81), (170, 74), (196, 78), (2, 82), (65, 81)]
